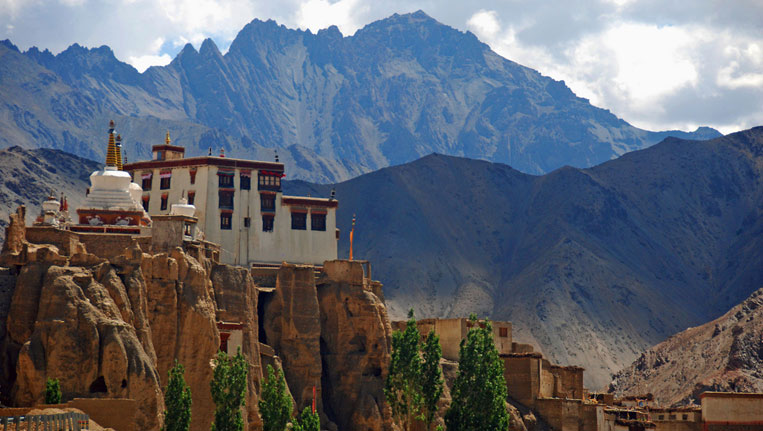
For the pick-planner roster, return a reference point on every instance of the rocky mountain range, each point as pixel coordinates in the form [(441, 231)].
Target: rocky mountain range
[(334, 106), (725, 355), (592, 265)]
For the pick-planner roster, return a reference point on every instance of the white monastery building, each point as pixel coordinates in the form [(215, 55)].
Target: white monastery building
[(239, 205)]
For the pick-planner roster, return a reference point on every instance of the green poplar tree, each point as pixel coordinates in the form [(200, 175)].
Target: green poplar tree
[(52, 391), (307, 421), (275, 403), (228, 388), (177, 399), (479, 391), (431, 377), (403, 386)]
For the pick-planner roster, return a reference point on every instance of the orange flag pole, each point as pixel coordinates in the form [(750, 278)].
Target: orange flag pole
[(313, 399), (352, 231)]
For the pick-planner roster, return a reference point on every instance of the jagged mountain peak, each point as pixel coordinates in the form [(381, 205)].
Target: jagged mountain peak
[(209, 48), (8, 44), (396, 90)]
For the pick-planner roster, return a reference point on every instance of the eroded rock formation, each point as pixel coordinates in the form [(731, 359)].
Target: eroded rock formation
[(113, 327), (355, 348)]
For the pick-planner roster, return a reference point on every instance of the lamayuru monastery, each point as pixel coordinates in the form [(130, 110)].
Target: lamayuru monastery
[(286, 301)]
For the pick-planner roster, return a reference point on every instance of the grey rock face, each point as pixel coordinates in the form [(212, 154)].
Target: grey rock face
[(398, 89)]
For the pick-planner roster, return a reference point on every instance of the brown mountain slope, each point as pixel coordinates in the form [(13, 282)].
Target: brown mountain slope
[(723, 355), (594, 266), (28, 176)]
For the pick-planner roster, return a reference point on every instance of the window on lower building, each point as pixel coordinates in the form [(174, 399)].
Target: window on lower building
[(225, 180), (147, 182), (164, 202), (299, 221), (193, 176), (318, 222), (164, 182), (226, 199), (191, 197), (267, 223), (503, 332), (247, 221), (225, 221), (224, 336), (145, 203), (267, 202), (246, 182), (269, 181), (672, 417), (661, 417), (685, 417)]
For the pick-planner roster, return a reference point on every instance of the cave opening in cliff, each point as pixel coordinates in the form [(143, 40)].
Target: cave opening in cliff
[(262, 304), (326, 387), (98, 386)]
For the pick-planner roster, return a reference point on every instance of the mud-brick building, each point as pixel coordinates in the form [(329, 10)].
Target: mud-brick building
[(239, 205)]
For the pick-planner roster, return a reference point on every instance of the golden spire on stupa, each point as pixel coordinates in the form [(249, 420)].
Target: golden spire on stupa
[(111, 150), (167, 139), (119, 152)]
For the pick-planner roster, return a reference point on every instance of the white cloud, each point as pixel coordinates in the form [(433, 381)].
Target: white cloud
[(484, 23), (145, 61), (320, 14), (72, 2)]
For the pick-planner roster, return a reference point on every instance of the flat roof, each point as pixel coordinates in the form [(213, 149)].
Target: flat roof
[(309, 201), (712, 394), (202, 161)]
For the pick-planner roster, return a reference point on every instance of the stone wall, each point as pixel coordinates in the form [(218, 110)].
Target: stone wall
[(118, 414), (568, 382), (522, 374), (567, 415), (734, 408)]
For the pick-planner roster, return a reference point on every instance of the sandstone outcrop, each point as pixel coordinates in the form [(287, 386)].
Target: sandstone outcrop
[(111, 326), (181, 314), (237, 301), (112, 329), (79, 337), (355, 348), (292, 324)]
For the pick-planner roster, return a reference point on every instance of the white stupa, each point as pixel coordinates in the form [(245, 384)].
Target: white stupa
[(112, 188), (113, 199)]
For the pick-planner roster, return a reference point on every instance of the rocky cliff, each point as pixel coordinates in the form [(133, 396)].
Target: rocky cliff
[(593, 266), (725, 354), (398, 89), (112, 328)]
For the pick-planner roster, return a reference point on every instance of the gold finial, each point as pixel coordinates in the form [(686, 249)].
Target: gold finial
[(167, 139), (119, 152), (111, 150)]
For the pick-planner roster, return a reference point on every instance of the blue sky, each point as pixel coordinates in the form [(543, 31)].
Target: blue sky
[(656, 63)]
